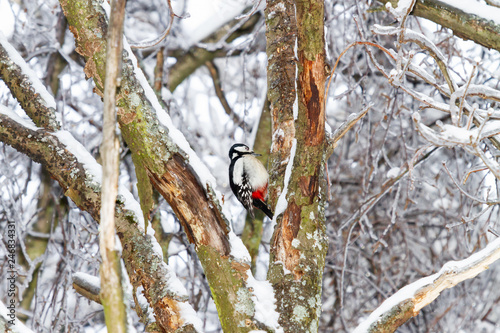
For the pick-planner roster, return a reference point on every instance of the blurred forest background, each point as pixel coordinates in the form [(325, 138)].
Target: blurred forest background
[(399, 204)]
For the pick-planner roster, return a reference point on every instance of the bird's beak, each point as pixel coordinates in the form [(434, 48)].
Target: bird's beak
[(255, 154)]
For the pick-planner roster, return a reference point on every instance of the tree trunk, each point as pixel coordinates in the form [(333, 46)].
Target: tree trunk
[(296, 80)]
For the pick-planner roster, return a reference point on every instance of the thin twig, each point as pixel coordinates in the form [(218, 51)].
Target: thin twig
[(158, 73), (470, 196), (370, 203), (460, 108), (493, 232), (214, 73), (344, 52), (344, 128), (158, 40), (471, 172)]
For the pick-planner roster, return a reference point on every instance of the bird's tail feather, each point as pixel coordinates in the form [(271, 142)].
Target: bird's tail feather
[(263, 207)]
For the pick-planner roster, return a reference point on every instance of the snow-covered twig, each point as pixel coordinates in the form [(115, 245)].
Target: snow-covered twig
[(342, 130), (452, 136), (426, 44), (87, 285), (470, 196), (33, 96), (80, 175), (408, 301)]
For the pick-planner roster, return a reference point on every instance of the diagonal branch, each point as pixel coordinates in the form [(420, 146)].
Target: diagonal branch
[(214, 73), (79, 175), (344, 128), (465, 24), (36, 101), (408, 301), (161, 152)]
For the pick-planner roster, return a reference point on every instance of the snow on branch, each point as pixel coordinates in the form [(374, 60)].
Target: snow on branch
[(470, 124), (408, 301), (478, 9), (403, 8), (80, 175), (469, 139), (342, 130), (476, 21), (25, 85), (87, 285), (470, 90)]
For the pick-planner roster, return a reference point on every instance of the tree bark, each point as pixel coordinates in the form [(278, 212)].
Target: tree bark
[(34, 105), (167, 166), (299, 244), (463, 25), (143, 264)]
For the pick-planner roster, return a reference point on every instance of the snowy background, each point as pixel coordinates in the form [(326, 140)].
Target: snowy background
[(382, 236)]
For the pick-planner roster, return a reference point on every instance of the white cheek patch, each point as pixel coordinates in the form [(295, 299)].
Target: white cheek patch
[(241, 149)]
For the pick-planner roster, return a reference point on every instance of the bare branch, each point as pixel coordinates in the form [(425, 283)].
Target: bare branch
[(214, 73), (159, 39), (470, 196)]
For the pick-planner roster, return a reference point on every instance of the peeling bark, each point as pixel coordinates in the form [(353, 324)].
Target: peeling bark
[(299, 242), (286, 232), (198, 218)]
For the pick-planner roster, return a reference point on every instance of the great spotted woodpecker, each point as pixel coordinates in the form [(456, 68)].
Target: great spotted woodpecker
[(248, 179)]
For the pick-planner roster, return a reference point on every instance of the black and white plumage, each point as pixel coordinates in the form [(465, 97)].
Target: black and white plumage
[(248, 179)]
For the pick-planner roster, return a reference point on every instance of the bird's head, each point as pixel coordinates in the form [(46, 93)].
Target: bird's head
[(240, 149)]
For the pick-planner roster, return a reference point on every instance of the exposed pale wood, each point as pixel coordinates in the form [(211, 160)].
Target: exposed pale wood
[(115, 311)]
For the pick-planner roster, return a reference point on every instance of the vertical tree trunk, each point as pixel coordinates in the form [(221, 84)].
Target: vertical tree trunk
[(111, 276), (299, 243)]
